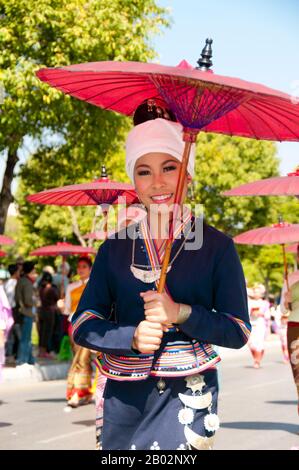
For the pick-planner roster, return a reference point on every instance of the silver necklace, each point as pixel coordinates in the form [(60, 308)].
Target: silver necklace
[(146, 273)]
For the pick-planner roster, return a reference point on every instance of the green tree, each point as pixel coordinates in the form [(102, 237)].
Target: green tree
[(53, 33), (223, 162)]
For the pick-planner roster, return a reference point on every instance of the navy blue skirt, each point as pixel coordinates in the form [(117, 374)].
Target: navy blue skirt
[(138, 417)]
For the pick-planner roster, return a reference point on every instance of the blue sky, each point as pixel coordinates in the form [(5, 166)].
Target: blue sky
[(253, 40)]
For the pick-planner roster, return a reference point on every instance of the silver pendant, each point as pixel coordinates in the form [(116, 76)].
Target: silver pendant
[(147, 276), (161, 385)]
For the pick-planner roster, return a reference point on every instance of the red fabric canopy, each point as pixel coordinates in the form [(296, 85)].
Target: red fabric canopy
[(62, 249), (200, 99), (98, 192), (279, 186), (279, 234)]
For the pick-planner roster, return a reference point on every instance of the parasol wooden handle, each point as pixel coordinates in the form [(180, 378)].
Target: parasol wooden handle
[(105, 214), (177, 202)]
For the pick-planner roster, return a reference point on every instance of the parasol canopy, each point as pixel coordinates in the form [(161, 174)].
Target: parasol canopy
[(276, 234), (200, 99), (279, 186), (6, 240), (62, 249), (99, 192)]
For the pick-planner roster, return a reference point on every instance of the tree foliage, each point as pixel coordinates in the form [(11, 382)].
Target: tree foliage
[(52, 33)]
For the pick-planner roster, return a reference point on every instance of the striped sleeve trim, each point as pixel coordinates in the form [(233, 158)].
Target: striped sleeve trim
[(85, 316), (244, 327)]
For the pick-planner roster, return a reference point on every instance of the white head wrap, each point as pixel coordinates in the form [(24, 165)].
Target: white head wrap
[(157, 135)]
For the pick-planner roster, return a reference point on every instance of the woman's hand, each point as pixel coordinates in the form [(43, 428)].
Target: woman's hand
[(160, 308), (147, 337), (60, 304)]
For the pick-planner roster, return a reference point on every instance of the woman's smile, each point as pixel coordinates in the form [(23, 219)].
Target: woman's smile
[(162, 198)]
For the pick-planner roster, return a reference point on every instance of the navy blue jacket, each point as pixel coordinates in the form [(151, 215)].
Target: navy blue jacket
[(209, 279)]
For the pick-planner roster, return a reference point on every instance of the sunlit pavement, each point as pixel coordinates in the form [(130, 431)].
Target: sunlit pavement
[(257, 409)]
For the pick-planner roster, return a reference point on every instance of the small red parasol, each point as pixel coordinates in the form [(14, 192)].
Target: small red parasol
[(102, 192), (277, 234), (279, 186), (99, 192), (2, 254), (62, 249)]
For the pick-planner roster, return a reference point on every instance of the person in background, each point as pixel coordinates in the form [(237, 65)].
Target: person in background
[(80, 373), (289, 305), (281, 321), (14, 336), (25, 300), (6, 322), (259, 312), (49, 296)]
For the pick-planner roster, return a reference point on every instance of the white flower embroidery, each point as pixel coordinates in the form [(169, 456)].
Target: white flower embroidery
[(133, 447), (211, 422), (186, 416), (155, 446)]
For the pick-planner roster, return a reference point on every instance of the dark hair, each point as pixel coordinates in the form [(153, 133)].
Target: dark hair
[(46, 279), (86, 260), (13, 268), (28, 266), (152, 109)]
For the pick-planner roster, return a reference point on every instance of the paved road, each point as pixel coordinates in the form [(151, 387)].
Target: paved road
[(257, 409)]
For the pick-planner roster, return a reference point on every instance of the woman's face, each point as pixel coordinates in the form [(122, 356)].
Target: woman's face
[(156, 176), (83, 270)]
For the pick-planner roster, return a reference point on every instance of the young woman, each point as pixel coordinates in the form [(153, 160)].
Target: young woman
[(162, 388), (80, 373)]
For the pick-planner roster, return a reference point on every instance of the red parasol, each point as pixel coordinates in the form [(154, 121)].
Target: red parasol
[(2, 253), (98, 192), (279, 186), (6, 240), (200, 100), (277, 234), (62, 249)]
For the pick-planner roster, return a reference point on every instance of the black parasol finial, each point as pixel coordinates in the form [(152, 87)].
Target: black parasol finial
[(104, 172), (204, 62)]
